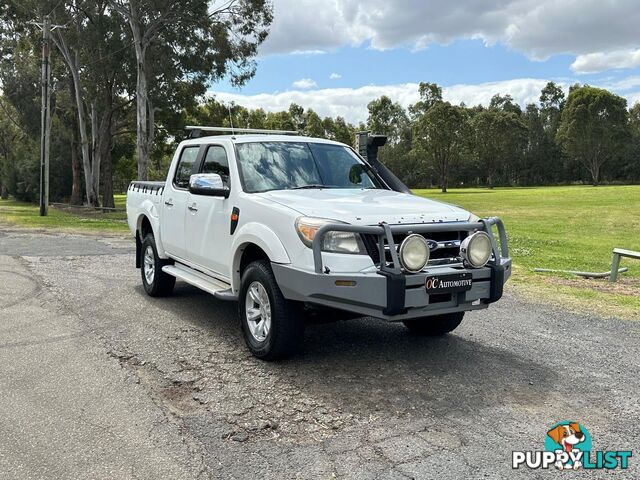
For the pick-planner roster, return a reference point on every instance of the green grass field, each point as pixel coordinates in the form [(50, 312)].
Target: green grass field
[(567, 228), (27, 215)]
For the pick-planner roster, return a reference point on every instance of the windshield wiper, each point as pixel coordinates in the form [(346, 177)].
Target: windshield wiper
[(309, 187)]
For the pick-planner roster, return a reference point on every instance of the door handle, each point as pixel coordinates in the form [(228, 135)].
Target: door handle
[(168, 203), (192, 208)]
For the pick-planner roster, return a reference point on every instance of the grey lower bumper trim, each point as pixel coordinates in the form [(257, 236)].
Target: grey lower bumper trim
[(369, 295)]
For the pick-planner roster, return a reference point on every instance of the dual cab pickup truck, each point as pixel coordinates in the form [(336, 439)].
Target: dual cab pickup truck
[(287, 224)]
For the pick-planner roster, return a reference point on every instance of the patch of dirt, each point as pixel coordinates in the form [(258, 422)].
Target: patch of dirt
[(624, 286)]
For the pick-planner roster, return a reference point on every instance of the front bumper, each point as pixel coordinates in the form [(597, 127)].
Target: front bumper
[(388, 292)]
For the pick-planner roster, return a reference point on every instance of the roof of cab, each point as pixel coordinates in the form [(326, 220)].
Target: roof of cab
[(249, 138)]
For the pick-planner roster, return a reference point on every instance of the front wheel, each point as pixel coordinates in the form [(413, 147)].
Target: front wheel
[(436, 325), (271, 327)]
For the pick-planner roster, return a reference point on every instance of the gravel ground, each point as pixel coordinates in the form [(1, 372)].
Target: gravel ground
[(97, 380)]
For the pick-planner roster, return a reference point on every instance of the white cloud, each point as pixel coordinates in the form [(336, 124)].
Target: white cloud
[(624, 84), (351, 103), (633, 98), (308, 52), (600, 61), (335, 76), (537, 28), (523, 91), (304, 84)]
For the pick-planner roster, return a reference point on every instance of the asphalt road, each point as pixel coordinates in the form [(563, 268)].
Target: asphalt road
[(99, 381)]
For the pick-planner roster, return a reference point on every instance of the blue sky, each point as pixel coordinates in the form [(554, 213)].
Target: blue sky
[(336, 56)]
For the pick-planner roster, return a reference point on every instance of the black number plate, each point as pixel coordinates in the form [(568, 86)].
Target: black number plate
[(458, 282)]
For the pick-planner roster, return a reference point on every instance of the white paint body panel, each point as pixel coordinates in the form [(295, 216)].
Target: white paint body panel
[(267, 219)]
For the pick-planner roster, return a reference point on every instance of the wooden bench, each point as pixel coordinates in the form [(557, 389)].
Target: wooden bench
[(615, 263)]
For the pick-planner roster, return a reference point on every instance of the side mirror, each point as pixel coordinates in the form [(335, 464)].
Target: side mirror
[(209, 184)]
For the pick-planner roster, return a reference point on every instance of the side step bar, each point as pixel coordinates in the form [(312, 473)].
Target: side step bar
[(219, 289)]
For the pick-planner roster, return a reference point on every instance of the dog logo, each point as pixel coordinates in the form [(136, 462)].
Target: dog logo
[(568, 446), (568, 436)]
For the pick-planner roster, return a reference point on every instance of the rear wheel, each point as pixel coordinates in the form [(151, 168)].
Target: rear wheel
[(156, 282), (436, 325), (271, 325)]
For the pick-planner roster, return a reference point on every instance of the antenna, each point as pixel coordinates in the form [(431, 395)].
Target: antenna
[(230, 117)]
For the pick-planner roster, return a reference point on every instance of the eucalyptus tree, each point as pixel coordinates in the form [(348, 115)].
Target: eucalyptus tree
[(182, 46), (93, 48), (499, 138), (96, 51), (430, 95), (387, 117), (593, 127), (439, 135)]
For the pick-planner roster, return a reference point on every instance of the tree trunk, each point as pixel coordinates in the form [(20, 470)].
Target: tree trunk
[(594, 169), (92, 198), (142, 106), (107, 182), (72, 62), (144, 114), (444, 176), (96, 138), (76, 178), (105, 145), (76, 183), (4, 192)]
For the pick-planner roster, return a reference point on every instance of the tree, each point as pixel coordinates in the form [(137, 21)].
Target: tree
[(551, 104), (439, 135), (313, 126), (71, 56), (498, 140), (387, 118), (390, 118), (343, 131), (430, 94), (10, 134), (297, 116), (630, 170), (504, 103), (199, 40), (534, 168), (593, 127), (279, 121)]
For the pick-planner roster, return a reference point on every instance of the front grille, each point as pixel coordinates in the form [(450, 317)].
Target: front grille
[(448, 250)]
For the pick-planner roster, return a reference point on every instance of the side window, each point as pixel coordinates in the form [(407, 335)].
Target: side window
[(216, 161), (185, 166)]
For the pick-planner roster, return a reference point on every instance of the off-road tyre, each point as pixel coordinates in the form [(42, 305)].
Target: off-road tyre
[(159, 284), (286, 329)]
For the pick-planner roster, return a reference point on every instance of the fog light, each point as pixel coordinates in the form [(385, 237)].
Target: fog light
[(476, 249), (414, 253)]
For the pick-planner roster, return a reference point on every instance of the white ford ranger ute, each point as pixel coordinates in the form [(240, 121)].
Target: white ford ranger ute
[(285, 225)]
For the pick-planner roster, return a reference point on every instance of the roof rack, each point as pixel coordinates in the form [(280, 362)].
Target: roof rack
[(196, 131)]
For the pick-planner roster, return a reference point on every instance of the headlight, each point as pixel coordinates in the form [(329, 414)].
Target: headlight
[(335, 242), (476, 249), (414, 253)]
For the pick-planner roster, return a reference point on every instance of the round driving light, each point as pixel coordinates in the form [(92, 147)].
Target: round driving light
[(476, 249), (414, 253)]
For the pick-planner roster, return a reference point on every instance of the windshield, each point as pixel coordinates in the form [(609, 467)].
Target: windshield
[(296, 165)]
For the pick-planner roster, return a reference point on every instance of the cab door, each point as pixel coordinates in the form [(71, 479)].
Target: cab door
[(174, 208), (208, 219)]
